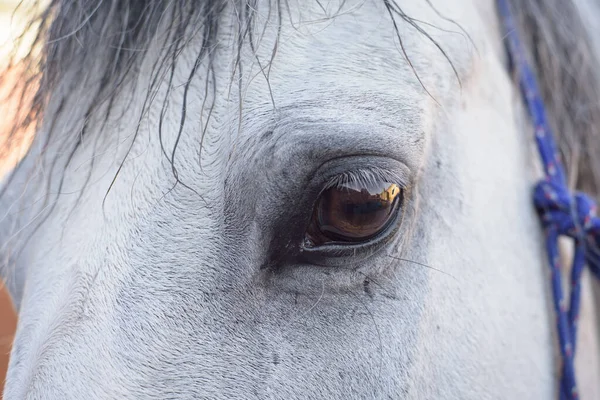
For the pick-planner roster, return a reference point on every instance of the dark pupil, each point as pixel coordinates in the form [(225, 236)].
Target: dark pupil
[(353, 213)]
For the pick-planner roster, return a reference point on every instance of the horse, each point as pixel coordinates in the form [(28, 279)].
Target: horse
[(267, 199)]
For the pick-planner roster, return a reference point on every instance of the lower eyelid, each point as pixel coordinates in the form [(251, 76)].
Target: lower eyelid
[(334, 254)]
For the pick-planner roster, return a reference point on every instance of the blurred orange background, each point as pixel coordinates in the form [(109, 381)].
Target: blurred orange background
[(8, 322)]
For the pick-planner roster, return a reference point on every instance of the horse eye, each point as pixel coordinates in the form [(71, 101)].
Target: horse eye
[(353, 213)]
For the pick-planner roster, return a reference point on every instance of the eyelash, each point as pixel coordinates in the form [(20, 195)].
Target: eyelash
[(364, 177)]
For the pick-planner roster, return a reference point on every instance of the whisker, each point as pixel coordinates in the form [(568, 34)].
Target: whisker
[(423, 265), (377, 330), (286, 327)]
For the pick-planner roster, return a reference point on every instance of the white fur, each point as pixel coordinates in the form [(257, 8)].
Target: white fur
[(160, 294)]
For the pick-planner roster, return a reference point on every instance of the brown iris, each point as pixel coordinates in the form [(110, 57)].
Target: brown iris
[(352, 213)]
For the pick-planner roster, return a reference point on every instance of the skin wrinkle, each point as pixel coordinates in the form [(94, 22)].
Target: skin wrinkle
[(161, 292)]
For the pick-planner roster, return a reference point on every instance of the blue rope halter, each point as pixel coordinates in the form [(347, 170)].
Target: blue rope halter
[(561, 213)]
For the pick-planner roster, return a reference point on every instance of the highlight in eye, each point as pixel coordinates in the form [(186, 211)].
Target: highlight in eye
[(357, 209)]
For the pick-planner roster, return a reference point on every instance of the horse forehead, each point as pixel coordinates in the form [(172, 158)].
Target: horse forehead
[(361, 45), (350, 67)]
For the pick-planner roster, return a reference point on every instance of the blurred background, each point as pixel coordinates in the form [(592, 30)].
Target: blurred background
[(12, 20)]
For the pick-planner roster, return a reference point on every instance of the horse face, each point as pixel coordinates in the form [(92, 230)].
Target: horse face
[(197, 272)]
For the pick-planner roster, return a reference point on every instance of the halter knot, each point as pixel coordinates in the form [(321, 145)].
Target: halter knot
[(573, 216), (570, 215)]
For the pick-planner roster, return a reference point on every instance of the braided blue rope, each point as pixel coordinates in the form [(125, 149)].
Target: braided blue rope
[(561, 213)]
